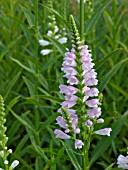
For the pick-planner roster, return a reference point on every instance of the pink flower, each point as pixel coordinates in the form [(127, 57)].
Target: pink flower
[(69, 90), (69, 62), (92, 103), (77, 131), (90, 74), (74, 120), (61, 135), (95, 112), (122, 162), (86, 66), (92, 92), (68, 104), (70, 55), (71, 97), (100, 120), (105, 131), (61, 122), (72, 80), (90, 82), (69, 71), (88, 123), (78, 144)]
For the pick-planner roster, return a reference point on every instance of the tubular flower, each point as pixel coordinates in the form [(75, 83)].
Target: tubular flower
[(122, 162), (80, 110)]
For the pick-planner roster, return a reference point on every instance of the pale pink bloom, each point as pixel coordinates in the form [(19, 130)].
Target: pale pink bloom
[(61, 135), (100, 120), (92, 92), (90, 74), (73, 50), (85, 89), (92, 103), (105, 131), (71, 97), (78, 144), (72, 80), (69, 62), (70, 55), (95, 112), (85, 98), (86, 57), (69, 71), (70, 111), (67, 131), (88, 123), (122, 162), (68, 104), (77, 131), (73, 120), (68, 90), (61, 122), (87, 65), (90, 82)]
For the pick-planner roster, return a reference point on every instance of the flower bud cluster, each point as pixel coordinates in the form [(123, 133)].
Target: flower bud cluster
[(81, 95), (4, 151)]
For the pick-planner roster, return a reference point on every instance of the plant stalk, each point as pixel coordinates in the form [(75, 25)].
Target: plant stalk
[(82, 19)]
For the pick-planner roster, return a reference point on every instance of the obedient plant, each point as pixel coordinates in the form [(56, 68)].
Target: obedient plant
[(4, 151), (53, 31), (80, 111)]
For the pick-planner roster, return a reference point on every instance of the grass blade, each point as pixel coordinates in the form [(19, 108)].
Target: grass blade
[(92, 22), (110, 74)]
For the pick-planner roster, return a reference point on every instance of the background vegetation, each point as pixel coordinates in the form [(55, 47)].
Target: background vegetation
[(29, 81)]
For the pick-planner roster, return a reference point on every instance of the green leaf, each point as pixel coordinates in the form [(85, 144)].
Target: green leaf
[(30, 86), (109, 22), (50, 63), (58, 15), (48, 121), (106, 141), (11, 84), (6, 50), (110, 166), (110, 74), (50, 98), (22, 161), (92, 22), (103, 60), (29, 16), (72, 157), (36, 147), (23, 122), (119, 89), (23, 66), (21, 144), (59, 155), (59, 46)]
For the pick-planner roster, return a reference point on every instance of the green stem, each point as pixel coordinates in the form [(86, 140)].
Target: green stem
[(82, 19), (85, 153), (85, 160), (36, 62)]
